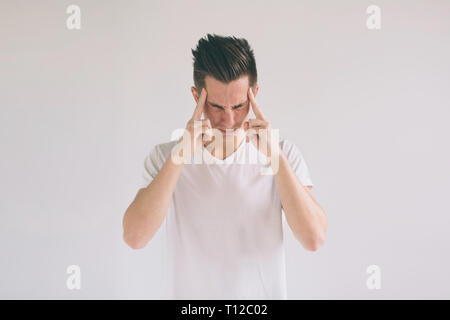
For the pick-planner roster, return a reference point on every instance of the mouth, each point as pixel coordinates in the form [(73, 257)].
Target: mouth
[(230, 131)]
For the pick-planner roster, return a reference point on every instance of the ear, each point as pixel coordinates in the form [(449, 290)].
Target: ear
[(195, 94), (255, 90)]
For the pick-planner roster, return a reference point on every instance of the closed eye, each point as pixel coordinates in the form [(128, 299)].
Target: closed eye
[(222, 108)]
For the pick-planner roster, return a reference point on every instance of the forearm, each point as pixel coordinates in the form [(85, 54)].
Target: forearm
[(146, 213), (304, 215)]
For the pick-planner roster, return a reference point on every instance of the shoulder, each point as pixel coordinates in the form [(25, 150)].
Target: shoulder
[(285, 142), (160, 152), (289, 148), (297, 161), (155, 160), (292, 153), (165, 148)]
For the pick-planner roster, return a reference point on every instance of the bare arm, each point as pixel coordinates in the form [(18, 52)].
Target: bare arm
[(146, 213), (304, 215)]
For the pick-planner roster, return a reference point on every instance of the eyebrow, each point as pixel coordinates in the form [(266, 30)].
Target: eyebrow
[(218, 106)]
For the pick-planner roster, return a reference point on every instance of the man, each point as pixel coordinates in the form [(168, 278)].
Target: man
[(223, 220)]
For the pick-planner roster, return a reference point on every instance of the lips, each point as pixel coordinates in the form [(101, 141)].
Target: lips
[(229, 130)]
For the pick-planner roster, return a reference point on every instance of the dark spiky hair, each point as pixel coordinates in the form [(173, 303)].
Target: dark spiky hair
[(223, 58)]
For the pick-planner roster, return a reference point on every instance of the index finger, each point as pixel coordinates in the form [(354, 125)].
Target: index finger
[(256, 110), (201, 103)]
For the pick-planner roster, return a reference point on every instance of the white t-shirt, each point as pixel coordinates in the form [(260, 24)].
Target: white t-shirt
[(223, 228)]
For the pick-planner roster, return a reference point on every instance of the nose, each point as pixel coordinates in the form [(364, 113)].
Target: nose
[(228, 118)]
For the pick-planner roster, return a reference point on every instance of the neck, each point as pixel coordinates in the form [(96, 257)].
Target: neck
[(230, 144)]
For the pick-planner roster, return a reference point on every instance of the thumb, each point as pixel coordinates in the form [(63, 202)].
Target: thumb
[(246, 126)]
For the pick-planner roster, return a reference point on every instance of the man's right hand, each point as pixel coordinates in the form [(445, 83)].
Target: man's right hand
[(197, 132)]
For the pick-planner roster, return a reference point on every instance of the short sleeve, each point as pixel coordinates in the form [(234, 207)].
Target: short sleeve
[(153, 163), (297, 162)]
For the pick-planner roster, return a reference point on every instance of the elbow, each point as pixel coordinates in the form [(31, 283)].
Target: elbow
[(315, 243), (130, 237), (133, 242), (319, 240)]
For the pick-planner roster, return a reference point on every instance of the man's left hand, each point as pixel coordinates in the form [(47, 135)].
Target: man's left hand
[(259, 130)]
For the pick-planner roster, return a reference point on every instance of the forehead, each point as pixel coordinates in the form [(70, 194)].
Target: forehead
[(225, 94)]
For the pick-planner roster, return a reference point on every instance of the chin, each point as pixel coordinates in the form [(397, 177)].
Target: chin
[(230, 132)]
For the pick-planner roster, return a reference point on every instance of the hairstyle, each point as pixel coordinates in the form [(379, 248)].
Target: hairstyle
[(223, 58)]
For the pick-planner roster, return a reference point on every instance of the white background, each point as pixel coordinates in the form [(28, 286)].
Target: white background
[(80, 110)]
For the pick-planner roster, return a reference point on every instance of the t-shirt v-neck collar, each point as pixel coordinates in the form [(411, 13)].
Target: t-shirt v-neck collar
[(231, 158)]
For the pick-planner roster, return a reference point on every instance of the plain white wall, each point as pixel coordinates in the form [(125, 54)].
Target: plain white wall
[(80, 109)]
